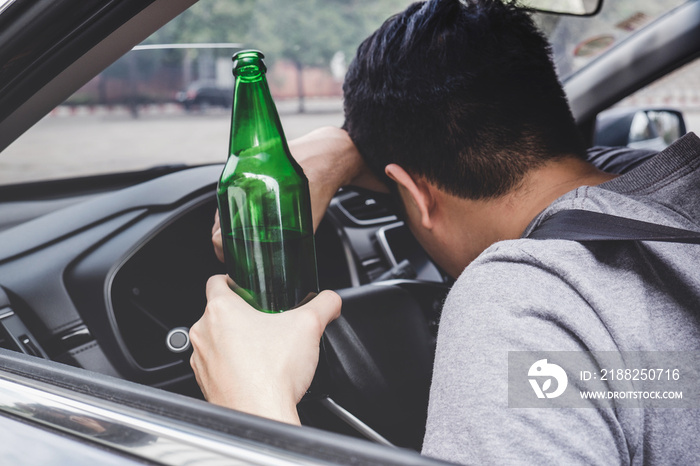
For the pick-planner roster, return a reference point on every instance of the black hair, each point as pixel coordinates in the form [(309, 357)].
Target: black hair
[(462, 93)]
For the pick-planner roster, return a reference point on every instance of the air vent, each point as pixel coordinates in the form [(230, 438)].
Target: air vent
[(367, 210)]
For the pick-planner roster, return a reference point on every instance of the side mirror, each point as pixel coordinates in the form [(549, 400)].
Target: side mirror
[(653, 129), (565, 7)]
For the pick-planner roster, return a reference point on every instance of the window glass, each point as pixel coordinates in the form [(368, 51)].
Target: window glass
[(168, 101), (577, 41)]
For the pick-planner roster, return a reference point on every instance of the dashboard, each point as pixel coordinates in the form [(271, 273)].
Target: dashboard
[(100, 282)]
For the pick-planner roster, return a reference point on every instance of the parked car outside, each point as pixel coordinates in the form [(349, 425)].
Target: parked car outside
[(205, 94)]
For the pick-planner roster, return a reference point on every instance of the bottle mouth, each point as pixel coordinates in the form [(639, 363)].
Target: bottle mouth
[(249, 65)]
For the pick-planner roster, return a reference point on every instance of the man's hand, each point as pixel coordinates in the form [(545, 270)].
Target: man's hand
[(255, 362)]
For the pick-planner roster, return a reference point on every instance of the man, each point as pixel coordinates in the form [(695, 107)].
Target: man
[(457, 109)]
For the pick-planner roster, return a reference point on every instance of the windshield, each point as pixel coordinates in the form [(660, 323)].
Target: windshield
[(168, 101), (577, 41)]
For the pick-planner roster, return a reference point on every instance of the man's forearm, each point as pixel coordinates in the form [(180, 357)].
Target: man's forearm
[(330, 160)]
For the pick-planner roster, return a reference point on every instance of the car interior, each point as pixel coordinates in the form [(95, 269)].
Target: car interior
[(95, 272)]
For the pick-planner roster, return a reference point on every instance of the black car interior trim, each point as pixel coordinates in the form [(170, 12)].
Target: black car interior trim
[(157, 194)]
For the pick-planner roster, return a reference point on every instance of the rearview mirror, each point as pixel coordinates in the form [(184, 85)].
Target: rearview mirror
[(653, 129), (565, 7)]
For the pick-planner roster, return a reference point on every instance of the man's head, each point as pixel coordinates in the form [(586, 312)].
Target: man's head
[(462, 94)]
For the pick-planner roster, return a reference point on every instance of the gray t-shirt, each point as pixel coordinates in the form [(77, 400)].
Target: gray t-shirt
[(556, 295)]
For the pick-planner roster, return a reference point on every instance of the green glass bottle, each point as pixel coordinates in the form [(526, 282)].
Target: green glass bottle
[(264, 202)]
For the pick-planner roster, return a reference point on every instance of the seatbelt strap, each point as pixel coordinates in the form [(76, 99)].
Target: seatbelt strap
[(583, 225)]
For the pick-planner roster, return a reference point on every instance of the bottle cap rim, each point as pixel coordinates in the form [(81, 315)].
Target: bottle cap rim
[(249, 64)]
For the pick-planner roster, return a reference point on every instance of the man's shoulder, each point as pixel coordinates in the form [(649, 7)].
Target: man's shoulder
[(522, 273), (519, 258)]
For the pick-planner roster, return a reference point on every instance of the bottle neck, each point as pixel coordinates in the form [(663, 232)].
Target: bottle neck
[(255, 123)]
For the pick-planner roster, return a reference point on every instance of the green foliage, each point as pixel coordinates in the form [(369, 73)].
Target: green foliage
[(308, 32), (208, 21)]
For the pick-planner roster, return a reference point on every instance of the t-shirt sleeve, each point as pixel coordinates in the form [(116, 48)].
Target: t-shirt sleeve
[(507, 301)]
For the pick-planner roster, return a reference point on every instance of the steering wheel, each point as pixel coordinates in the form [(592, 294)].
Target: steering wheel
[(377, 360)]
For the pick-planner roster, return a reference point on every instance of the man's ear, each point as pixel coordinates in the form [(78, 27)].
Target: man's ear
[(419, 192)]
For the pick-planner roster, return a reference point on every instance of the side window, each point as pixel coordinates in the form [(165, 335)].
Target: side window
[(160, 105), (168, 101), (656, 115)]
